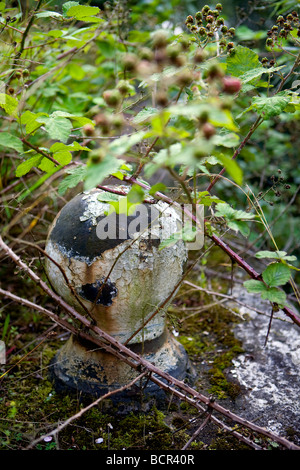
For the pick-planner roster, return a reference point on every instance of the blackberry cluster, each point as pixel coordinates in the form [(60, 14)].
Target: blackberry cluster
[(207, 22), (282, 28)]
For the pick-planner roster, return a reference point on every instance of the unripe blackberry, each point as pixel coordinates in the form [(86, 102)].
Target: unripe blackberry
[(202, 31), (199, 15), (25, 73), (205, 9), (269, 42), (184, 78), (231, 31), (189, 20), (203, 118), (124, 87), (231, 85), (208, 130), (219, 7), (146, 54), (220, 21), (112, 97), (17, 74), (118, 121), (130, 62), (224, 29), (199, 56), (88, 130), (230, 45), (216, 13), (160, 40), (215, 71), (209, 18), (162, 98), (96, 157)]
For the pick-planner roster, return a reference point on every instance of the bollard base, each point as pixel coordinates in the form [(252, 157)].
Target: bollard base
[(85, 370)]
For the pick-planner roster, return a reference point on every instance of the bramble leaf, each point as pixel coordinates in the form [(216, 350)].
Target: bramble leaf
[(276, 274), (26, 166), (11, 141)]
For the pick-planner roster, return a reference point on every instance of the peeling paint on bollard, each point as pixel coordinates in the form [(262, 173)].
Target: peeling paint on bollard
[(122, 282)]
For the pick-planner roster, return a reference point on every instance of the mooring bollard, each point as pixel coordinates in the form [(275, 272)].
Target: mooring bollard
[(114, 263)]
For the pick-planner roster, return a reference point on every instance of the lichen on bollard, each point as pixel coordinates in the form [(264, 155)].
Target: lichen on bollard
[(114, 264)]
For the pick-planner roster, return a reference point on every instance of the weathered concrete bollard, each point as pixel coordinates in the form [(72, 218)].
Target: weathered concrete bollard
[(93, 246)]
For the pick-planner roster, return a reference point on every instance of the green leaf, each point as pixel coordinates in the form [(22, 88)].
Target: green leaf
[(274, 295), (46, 165), (96, 173), (243, 60), (270, 106), (123, 144), (26, 166), (232, 168), (48, 14), (145, 115), (136, 194), (235, 219), (255, 286), (82, 12), (106, 196), (276, 255), (29, 119), (276, 274), (158, 187), (267, 293), (66, 6), (228, 139), (64, 157), (57, 127), (11, 141), (75, 176), (9, 104)]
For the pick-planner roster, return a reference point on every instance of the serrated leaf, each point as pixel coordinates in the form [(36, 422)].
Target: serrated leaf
[(9, 104), (75, 176), (66, 6), (123, 144), (274, 295), (29, 119), (270, 106), (96, 173), (64, 157), (48, 14), (232, 168), (57, 127), (276, 274), (228, 140), (26, 166), (276, 255), (82, 12), (144, 115), (106, 196), (46, 165), (243, 60), (80, 120), (11, 141), (254, 286)]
